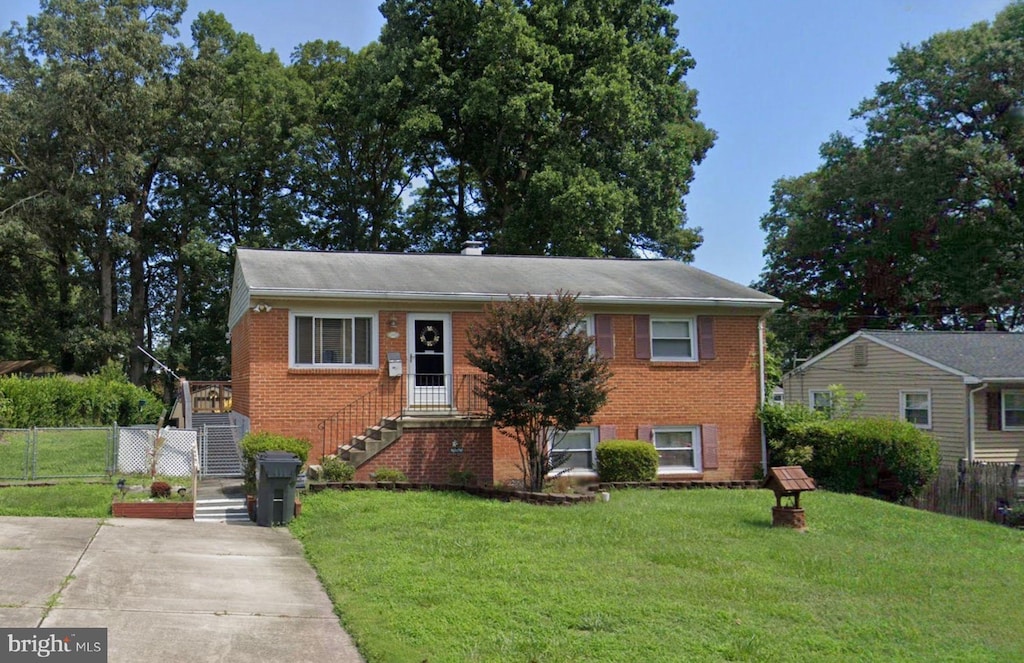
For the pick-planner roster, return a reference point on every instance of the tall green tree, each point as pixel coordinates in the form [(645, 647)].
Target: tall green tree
[(87, 88), (547, 126), (920, 224), (353, 172), (540, 376)]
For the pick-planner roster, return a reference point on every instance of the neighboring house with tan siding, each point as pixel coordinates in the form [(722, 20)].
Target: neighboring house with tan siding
[(965, 388), (364, 354)]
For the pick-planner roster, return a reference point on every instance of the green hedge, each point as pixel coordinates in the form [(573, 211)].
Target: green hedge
[(99, 400), (255, 443), (627, 460), (870, 456)]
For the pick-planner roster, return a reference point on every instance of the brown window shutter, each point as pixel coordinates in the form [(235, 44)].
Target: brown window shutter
[(706, 337), (709, 446), (642, 336), (605, 433), (995, 409), (604, 337), (645, 433)]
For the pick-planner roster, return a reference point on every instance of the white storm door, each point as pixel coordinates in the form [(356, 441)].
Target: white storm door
[(430, 360)]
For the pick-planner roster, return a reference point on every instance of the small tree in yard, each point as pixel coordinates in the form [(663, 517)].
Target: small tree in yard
[(540, 375)]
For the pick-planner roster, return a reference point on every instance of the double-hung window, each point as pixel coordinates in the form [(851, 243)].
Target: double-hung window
[(573, 450), (678, 448), (673, 339), (916, 408), (820, 400), (1013, 409), (332, 340)]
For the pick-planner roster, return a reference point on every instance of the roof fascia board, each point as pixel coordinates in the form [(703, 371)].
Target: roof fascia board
[(974, 380), (285, 293)]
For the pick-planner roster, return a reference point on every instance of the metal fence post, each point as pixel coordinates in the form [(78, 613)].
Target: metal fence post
[(34, 444), (27, 461)]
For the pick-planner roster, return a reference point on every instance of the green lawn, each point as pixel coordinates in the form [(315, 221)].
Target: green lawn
[(77, 499), (663, 576), (70, 500)]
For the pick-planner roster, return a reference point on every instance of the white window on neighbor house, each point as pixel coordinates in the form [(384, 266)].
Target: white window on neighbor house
[(678, 448), (573, 451), (820, 400), (333, 340), (1013, 409), (916, 408), (673, 339)]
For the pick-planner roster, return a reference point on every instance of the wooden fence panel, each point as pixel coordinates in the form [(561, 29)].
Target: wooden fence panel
[(972, 490)]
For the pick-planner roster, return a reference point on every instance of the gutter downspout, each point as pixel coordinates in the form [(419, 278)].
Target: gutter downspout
[(970, 420), (761, 388)]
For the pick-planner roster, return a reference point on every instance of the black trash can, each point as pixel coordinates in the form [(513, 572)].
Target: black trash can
[(275, 487)]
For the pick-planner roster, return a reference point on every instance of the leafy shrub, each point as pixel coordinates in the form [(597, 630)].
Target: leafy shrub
[(388, 474), (335, 469), (870, 456), (627, 460), (778, 420), (99, 400), (255, 443), (160, 489)]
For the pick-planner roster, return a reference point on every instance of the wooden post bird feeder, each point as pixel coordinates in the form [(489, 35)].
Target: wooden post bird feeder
[(788, 482)]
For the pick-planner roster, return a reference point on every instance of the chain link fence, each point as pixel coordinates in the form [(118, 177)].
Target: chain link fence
[(51, 453), (27, 454)]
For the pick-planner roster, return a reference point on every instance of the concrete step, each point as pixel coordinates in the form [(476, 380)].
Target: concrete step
[(221, 510)]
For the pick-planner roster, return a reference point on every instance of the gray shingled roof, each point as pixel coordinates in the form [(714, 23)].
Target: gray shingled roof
[(978, 354), (466, 277)]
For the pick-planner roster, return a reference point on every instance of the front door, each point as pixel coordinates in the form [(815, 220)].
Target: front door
[(430, 360)]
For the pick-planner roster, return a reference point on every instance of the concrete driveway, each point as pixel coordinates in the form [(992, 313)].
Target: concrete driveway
[(170, 589)]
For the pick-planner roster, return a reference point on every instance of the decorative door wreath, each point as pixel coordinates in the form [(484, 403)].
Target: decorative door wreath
[(429, 336)]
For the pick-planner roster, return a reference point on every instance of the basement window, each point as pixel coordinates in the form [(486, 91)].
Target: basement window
[(332, 340), (678, 449), (573, 450)]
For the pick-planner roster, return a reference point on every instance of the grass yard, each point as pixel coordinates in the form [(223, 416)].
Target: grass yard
[(79, 499), (663, 576), (70, 500)]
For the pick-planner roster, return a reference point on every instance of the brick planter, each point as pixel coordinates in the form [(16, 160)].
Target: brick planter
[(165, 510)]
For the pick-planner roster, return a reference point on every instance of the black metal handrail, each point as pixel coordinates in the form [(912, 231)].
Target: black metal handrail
[(433, 395)]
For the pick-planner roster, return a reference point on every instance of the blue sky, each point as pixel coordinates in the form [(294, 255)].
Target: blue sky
[(775, 78)]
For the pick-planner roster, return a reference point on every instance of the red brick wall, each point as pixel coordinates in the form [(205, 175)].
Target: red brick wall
[(721, 391), (240, 366), (425, 454)]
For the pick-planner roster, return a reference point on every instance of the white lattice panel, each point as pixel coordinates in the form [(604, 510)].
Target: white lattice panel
[(135, 451)]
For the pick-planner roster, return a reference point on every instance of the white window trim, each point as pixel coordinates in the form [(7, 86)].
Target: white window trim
[(812, 392), (587, 327), (698, 461), (903, 406), (1002, 407), (595, 437), (348, 313), (694, 352)]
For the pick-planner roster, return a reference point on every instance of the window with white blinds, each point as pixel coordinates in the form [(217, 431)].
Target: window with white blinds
[(333, 340)]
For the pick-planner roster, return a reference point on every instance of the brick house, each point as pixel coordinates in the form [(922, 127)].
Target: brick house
[(364, 355)]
